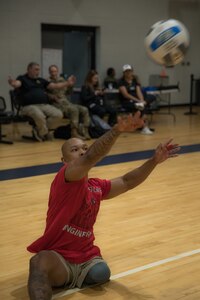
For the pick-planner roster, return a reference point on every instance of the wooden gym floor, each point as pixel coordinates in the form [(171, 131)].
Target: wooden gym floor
[(150, 236)]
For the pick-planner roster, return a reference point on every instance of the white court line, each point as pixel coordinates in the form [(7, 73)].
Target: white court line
[(136, 270)]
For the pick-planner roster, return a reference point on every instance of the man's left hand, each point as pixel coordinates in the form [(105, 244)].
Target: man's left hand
[(165, 151)]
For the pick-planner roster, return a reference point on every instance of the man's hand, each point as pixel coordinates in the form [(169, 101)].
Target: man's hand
[(130, 122), (13, 82), (71, 80), (165, 151)]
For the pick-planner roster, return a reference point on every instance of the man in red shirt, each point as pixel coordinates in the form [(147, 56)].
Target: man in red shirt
[(66, 254)]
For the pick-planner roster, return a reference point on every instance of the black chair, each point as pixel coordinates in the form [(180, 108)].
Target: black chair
[(5, 118), (17, 117)]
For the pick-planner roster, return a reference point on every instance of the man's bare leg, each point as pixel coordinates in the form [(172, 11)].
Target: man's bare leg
[(46, 270)]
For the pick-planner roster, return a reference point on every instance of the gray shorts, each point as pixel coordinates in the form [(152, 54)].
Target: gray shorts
[(77, 272)]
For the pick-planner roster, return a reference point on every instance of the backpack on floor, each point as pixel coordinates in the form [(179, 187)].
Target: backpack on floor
[(96, 132), (63, 132)]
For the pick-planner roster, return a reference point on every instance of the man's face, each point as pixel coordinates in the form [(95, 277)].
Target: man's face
[(34, 71), (73, 149), (53, 72)]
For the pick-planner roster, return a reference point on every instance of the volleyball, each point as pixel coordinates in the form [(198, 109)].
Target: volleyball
[(167, 42)]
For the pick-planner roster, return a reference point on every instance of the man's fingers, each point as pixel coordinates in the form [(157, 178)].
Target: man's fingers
[(174, 150), (168, 142)]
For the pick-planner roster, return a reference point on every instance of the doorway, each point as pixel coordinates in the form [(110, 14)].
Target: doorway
[(72, 48)]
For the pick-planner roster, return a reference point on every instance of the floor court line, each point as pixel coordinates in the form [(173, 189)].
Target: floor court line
[(36, 170), (136, 270)]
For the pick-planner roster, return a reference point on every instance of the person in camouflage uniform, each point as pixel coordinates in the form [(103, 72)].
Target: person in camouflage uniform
[(74, 112)]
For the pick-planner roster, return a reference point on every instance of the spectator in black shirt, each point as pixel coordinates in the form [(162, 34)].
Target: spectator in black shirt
[(32, 91)]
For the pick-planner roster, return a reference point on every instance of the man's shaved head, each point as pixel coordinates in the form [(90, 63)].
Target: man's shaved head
[(67, 145), (72, 149)]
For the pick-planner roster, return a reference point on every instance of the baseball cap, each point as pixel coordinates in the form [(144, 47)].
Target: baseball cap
[(126, 67)]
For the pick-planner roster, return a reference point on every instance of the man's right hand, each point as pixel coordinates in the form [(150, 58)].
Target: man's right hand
[(10, 80), (130, 122), (14, 83), (71, 80)]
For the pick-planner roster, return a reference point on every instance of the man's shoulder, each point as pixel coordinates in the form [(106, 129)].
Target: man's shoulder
[(102, 186), (22, 77)]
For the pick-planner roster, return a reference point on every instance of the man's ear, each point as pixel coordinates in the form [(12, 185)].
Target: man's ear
[(64, 160)]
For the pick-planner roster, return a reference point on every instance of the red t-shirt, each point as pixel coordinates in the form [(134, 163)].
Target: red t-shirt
[(72, 212)]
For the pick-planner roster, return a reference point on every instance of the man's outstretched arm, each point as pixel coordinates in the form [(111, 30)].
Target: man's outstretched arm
[(135, 177)]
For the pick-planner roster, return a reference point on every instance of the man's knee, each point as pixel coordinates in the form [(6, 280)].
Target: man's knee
[(99, 273), (53, 111), (40, 261), (73, 113)]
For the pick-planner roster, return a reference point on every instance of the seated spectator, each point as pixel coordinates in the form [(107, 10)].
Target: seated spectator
[(32, 91), (93, 97), (110, 82), (76, 113), (131, 96)]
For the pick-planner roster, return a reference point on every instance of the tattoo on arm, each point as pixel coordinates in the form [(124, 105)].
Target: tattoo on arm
[(102, 146)]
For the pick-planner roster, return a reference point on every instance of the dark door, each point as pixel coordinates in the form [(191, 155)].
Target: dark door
[(78, 47), (77, 58)]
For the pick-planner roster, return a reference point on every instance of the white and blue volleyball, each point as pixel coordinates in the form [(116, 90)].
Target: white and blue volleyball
[(167, 42)]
